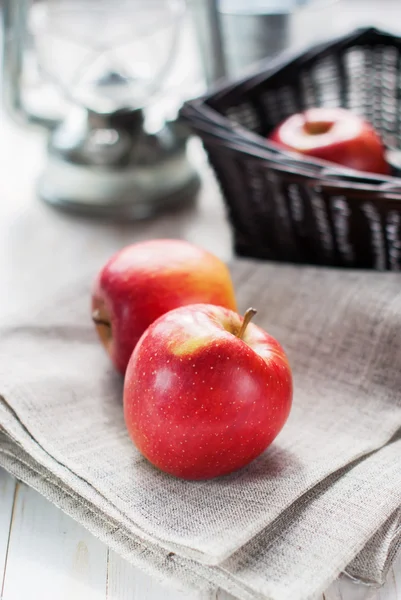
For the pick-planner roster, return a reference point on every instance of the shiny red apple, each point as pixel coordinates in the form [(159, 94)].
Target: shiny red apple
[(205, 391), (336, 135), (146, 280)]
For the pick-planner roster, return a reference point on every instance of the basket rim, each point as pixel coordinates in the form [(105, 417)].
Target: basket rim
[(327, 180), (318, 170), (268, 67), (207, 121)]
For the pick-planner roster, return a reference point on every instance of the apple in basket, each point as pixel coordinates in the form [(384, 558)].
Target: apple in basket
[(336, 135), (205, 391), (145, 280)]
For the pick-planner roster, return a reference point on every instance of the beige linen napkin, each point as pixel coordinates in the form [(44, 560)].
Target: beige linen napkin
[(62, 407), (289, 560)]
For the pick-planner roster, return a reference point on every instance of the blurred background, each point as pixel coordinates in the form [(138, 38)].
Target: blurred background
[(103, 82), (90, 96)]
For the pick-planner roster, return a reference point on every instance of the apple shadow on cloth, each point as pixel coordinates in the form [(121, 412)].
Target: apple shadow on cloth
[(112, 391), (274, 463), (197, 498)]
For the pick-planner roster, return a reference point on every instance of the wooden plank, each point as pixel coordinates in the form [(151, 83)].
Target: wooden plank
[(389, 591), (345, 589), (7, 491), (392, 588), (50, 556), (126, 582)]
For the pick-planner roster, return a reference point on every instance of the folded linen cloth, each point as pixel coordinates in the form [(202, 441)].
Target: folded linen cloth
[(286, 561), (62, 408)]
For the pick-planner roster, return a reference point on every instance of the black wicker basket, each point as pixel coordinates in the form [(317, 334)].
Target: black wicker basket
[(283, 206)]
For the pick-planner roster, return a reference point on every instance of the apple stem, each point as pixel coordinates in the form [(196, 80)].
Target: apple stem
[(96, 318), (315, 127), (249, 314)]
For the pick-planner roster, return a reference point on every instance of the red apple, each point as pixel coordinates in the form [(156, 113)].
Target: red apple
[(336, 135), (143, 281), (205, 391)]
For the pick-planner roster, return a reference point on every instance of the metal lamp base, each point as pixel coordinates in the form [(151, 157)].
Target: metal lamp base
[(134, 193), (110, 166)]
